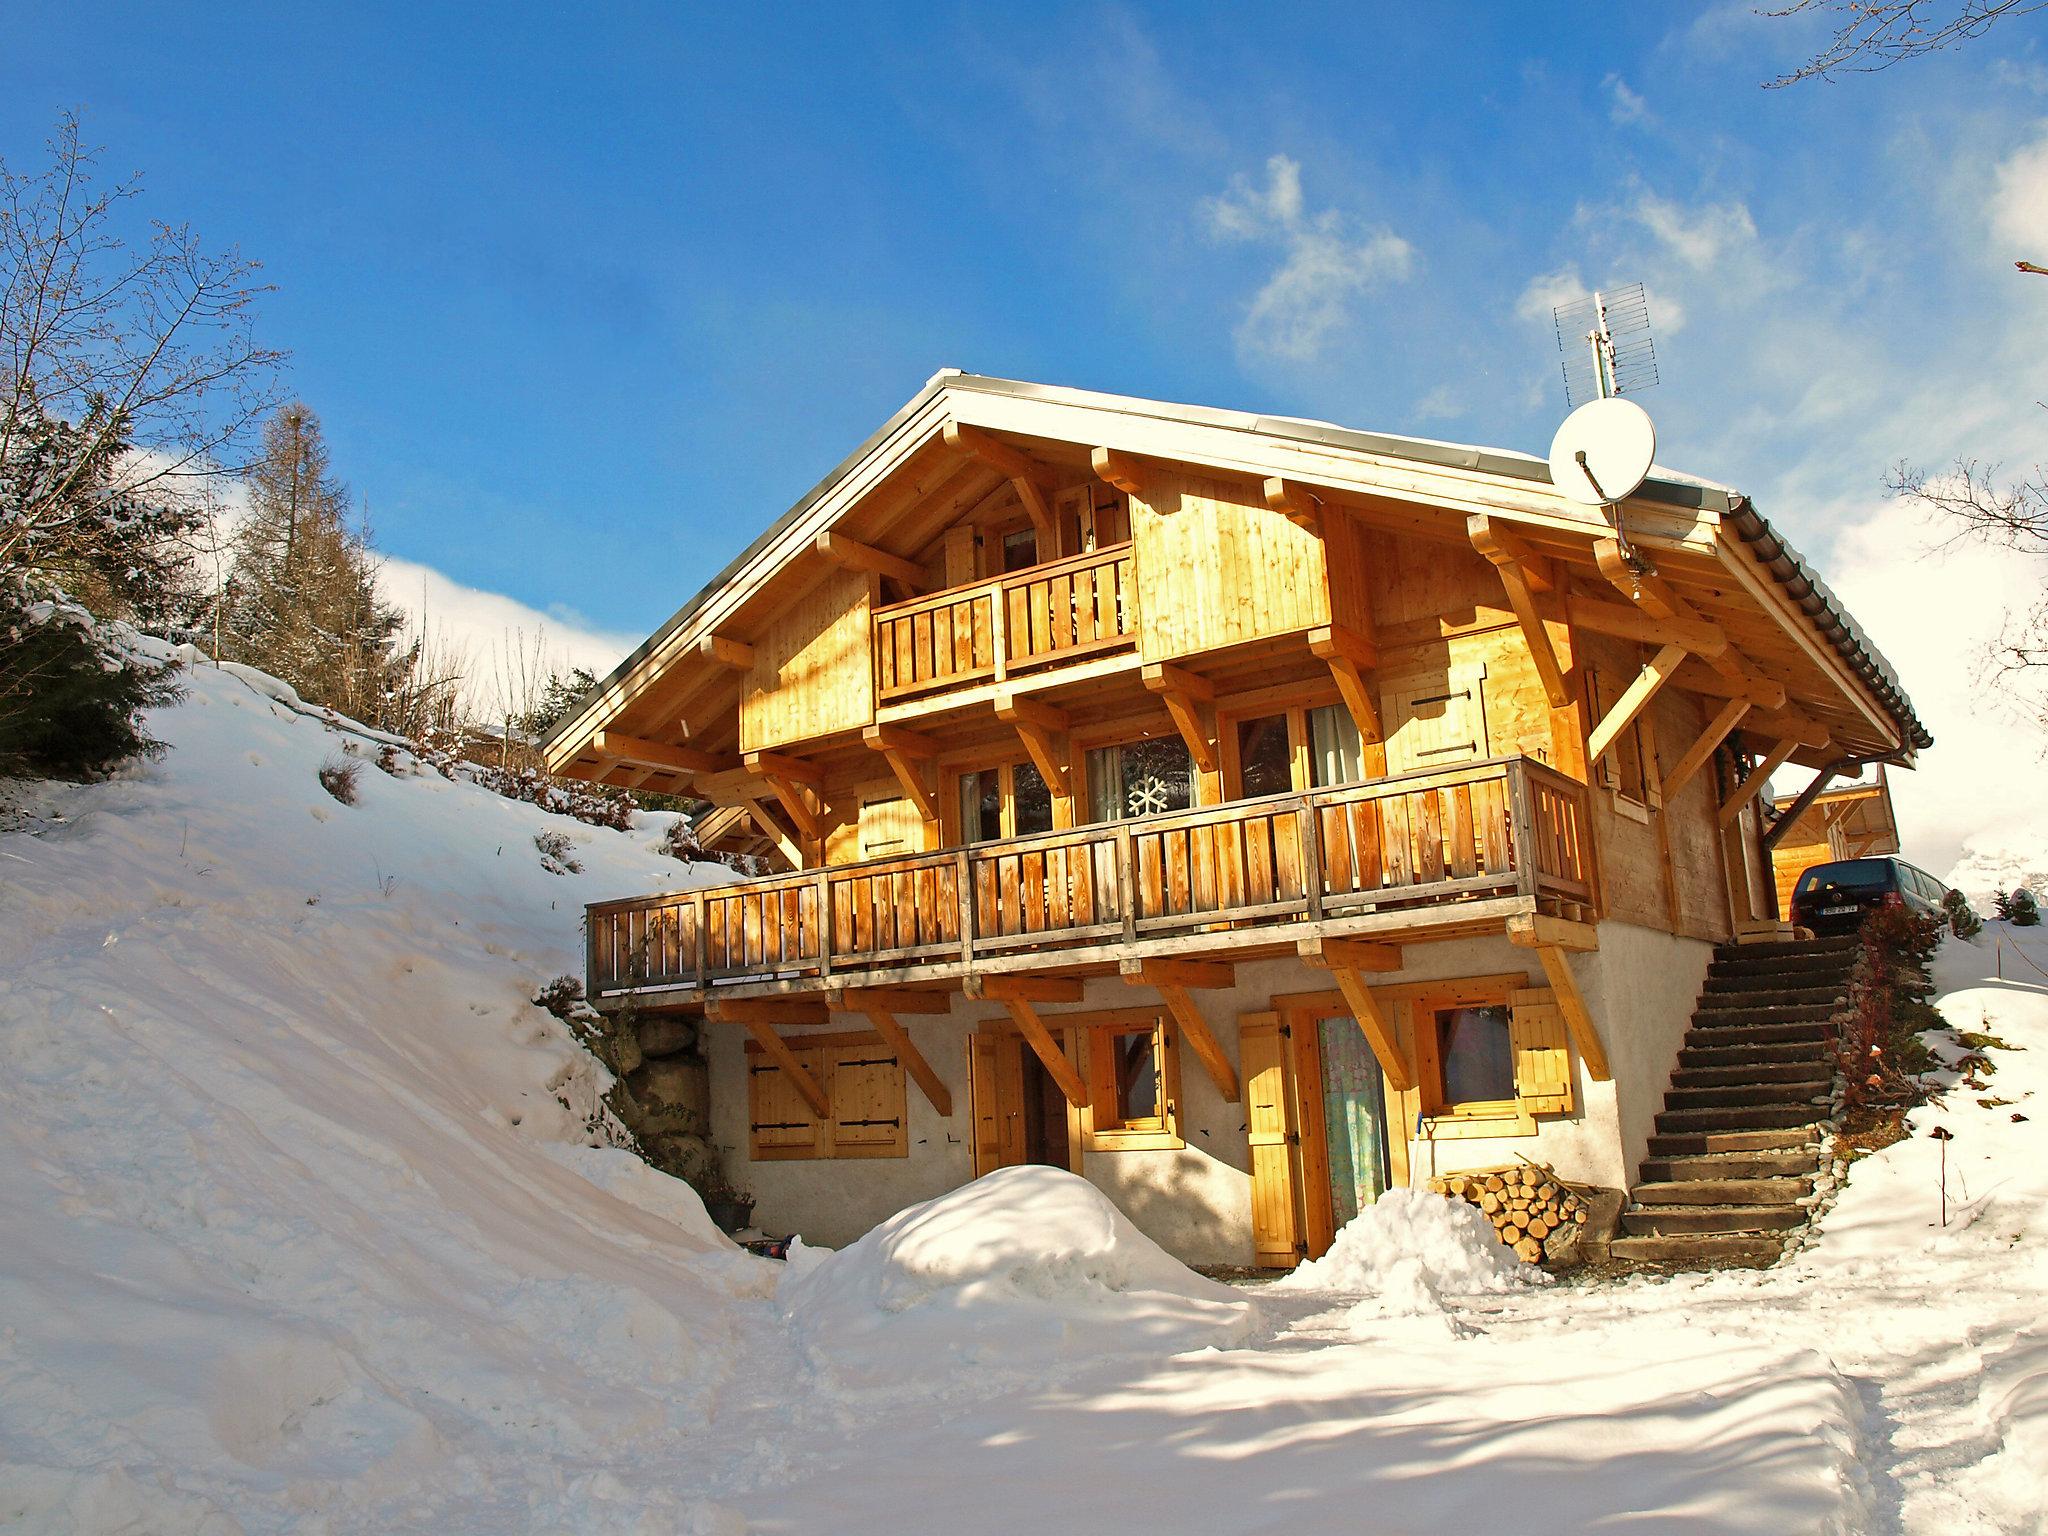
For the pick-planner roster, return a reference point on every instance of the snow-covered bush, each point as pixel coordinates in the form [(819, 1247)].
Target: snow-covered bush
[(557, 853), (2026, 911), (1963, 920), (338, 776), (71, 688)]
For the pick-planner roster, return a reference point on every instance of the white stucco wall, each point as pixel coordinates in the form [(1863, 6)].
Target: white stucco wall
[(1195, 1201)]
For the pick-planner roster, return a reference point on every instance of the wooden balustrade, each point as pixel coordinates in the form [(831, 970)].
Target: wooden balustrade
[(1048, 615), (1504, 827)]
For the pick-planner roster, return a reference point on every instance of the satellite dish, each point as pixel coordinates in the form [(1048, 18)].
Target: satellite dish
[(1603, 451)]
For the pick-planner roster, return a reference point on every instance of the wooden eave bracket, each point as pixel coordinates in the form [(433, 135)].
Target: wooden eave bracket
[(1654, 596), (1349, 656), (659, 755), (1175, 982), (905, 751), (1349, 961), (1750, 787), (788, 777), (852, 555), (1019, 995), (1295, 502), (760, 1016), (1625, 623), (1032, 480), (1657, 671), (784, 838), (1121, 471), (733, 655), (1702, 749), (1188, 699), (1523, 575), (1552, 938), (880, 1005), (1046, 734)]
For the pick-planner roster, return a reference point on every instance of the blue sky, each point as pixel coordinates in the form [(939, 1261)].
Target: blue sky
[(586, 299)]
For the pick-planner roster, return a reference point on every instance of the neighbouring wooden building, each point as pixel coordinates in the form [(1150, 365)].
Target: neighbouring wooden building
[(1847, 821), (1246, 813)]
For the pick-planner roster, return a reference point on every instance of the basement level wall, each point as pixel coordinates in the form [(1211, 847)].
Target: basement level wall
[(1195, 1201)]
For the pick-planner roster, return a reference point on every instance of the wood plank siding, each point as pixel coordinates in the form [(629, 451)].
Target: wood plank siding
[(811, 675)]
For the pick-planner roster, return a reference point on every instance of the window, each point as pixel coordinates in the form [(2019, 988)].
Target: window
[(1012, 800), (863, 1083), (1336, 753), (1140, 778), (1623, 768), (1133, 1081), (1265, 757), (1475, 1055), (1020, 549)]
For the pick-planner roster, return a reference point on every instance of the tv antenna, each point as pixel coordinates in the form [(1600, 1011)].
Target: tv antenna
[(1604, 449)]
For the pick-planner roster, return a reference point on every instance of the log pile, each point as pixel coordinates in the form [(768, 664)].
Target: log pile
[(1526, 1203)]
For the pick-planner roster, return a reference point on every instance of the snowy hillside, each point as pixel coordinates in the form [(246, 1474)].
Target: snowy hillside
[(305, 1233)]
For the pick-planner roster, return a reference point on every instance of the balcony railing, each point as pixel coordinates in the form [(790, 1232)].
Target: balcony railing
[(1049, 615), (1505, 827)]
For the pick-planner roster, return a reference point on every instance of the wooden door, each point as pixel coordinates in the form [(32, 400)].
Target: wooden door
[(995, 1078), (1278, 1232)]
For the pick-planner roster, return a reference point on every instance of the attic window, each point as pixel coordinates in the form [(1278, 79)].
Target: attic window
[(1020, 549)]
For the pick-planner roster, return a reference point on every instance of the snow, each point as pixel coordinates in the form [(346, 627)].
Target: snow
[(1411, 1248), (312, 1227), (1023, 1270)]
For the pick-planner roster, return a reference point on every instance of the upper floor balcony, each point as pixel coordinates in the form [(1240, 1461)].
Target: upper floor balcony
[(1434, 854)]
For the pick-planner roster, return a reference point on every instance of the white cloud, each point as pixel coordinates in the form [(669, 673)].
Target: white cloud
[(1548, 291), (501, 645), (1440, 404), (1325, 267), (2019, 201), (1625, 106), (1700, 236)]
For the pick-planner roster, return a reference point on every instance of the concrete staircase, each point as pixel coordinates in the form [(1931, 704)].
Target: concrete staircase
[(1742, 1135)]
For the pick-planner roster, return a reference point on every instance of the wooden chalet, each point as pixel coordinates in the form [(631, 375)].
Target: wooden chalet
[(1845, 821), (1244, 812)]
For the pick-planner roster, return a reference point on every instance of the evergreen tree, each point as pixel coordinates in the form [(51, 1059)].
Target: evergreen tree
[(1963, 921), (302, 600), (2026, 912)]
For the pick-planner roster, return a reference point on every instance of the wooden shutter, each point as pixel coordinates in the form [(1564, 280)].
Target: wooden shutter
[(983, 1066), (1543, 1062), (868, 1102), (780, 1124), (1434, 720), (1277, 1240), (890, 826)]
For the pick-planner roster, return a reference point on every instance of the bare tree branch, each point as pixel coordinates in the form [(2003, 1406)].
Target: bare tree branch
[(1871, 35)]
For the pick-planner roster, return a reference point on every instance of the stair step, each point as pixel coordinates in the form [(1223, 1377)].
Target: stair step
[(1749, 1095), (1711, 1191), (1672, 1220), (1787, 1053), (1702, 1036), (1794, 1164), (1756, 962), (1837, 944), (1712, 1017), (1799, 987), (1758, 1117), (1695, 1143), (1740, 1073), (1731, 1250)]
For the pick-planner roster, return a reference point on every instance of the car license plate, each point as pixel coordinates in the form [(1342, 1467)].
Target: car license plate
[(1836, 911)]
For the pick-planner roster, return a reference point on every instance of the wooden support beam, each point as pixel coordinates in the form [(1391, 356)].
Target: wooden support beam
[(1533, 929), (1047, 1049), (1701, 677), (768, 1010), (1374, 1024), (904, 751), (1345, 653), (808, 820), (1296, 502), (1502, 546), (1698, 754), (779, 1052), (1759, 777), (1031, 479), (1194, 1029), (894, 999), (1519, 578), (1357, 954), (1185, 696), (1625, 623), (1197, 975), (1121, 471), (1036, 989), (1787, 725), (1657, 671), (734, 655), (657, 754), (898, 1040), (782, 837), (852, 555), (1044, 732), (794, 769), (1578, 1018), (1655, 596), (895, 738)]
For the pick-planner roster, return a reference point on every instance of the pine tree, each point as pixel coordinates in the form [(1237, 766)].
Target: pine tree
[(2026, 911), (302, 600), (1963, 921)]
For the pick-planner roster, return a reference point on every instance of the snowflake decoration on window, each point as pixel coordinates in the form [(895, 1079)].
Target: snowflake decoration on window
[(1148, 796)]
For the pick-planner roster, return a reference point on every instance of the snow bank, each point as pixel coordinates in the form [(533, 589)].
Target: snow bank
[(1408, 1250), (1023, 1268), (303, 1223)]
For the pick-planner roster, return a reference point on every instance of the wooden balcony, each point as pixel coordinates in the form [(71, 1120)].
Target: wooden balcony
[(1422, 855), (1051, 615)]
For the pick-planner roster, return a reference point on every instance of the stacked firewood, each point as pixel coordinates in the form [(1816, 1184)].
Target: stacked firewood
[(1526, 1203)]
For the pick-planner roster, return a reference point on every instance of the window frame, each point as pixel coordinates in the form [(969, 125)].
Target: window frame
[(1295, 708), (1160, 1133), (1085, 809), (823, 1055), (1005, 770)]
